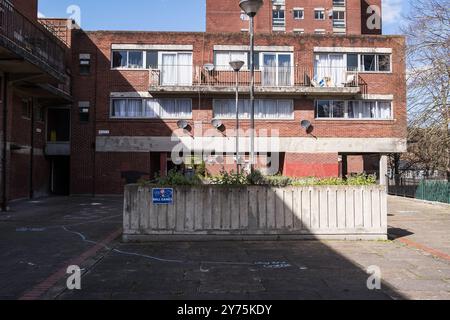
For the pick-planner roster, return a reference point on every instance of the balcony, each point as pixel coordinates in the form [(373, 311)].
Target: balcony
[(27, 47), (282, 80)]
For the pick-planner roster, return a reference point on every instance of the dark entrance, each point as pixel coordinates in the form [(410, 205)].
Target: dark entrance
[(60, 176)]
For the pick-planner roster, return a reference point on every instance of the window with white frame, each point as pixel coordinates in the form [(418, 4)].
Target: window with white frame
[(354, 109), (264, 109), (131, 59), (222, 59), (319, 14), (129, 108), (339, 19), (351, 62), (375, 62), (299, 13), (278, 18), (338, 3)]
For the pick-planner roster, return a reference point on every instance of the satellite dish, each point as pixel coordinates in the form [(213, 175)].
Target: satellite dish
[(182, 124), (306, 124), (209, 67), (216, 123)]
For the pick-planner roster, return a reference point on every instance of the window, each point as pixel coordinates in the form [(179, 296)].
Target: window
[(264, 109), (363, 109), (319, 14), (85, 64), (130, 59), (135, 60), (120, 59), (299, 14), (152, 60), (339, 19), (176, 68), (375, 63), (338, 3), (352, 62), (83, 110), (319, 31), (223, 59), (151, 108), (26, 109), (368, 62), (384, 62), (278, 18)]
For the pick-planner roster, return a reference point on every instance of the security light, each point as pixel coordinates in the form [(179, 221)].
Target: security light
[(251, 7), (237, 65)]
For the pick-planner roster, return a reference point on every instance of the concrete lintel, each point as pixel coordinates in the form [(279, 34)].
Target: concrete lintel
[(351, 50), (181, 47), (257, 48), (296, 90), (269, 144), (133, 94)]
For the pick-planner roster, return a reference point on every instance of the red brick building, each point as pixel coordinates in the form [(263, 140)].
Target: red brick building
[(132, 91)]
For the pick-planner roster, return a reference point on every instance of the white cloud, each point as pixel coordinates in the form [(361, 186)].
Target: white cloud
[(40, 15), (392, 10)]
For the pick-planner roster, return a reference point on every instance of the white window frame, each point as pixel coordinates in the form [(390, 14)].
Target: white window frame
[(261, 65), (144, 60), (158, 117), (346, 110), (321, 10), (232, 117), (301, 10), (160, 65)]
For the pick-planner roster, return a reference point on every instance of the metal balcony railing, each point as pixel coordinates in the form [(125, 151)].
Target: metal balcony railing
[(273, 76), (31, 37)]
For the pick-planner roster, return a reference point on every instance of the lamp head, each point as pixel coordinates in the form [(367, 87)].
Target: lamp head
[(216, 123), (306, 124), (182, 124), (251, 7), (237, 65)]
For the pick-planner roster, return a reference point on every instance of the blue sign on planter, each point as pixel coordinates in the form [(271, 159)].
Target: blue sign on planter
[(162, 196)]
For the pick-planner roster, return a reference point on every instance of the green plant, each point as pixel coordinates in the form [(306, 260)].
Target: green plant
[(361, 179), (230, 178), (176, 178)]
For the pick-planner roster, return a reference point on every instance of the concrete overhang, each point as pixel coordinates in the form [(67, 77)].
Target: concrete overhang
[(312, 91)]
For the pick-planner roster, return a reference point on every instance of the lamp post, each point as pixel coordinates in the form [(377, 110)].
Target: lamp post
[(251, 8), (237, 65)]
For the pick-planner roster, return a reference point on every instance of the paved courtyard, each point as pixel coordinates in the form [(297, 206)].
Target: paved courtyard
[(40, 239)]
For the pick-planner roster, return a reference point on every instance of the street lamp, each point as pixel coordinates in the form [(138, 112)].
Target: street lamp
[(251, 8), (237, 65)]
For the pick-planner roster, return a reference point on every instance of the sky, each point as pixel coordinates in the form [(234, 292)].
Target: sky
[(164, 15)]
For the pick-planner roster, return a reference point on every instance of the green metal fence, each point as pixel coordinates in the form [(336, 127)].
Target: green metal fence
[(433, 191)]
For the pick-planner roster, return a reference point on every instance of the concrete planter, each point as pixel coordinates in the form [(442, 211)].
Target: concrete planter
[(257, 212)]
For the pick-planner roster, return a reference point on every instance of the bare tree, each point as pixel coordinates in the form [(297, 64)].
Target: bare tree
[(428, 61)]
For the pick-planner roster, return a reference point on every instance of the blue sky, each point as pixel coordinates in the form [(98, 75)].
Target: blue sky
[(165, 15)]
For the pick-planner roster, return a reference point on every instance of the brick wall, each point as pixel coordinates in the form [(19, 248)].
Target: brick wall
[(311, 165), (96, 88), (225, 16), (29, 8)]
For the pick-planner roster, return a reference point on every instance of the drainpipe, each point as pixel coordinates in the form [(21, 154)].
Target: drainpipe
[(32, 150), (4, 151)]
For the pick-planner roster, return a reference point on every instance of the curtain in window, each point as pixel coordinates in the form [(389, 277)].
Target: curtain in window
[(168, 69), (136, 60), (354, 109), (284, 70), (321, 68), (384, 109), (337, 69), (222, 61), (184, 68), (134, 108), (269, 70), (175, 109), (285, 109), (369, 109), (151, 108), (119, 108)]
